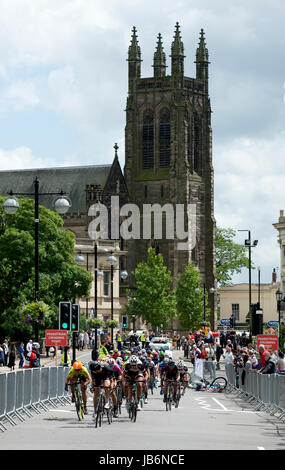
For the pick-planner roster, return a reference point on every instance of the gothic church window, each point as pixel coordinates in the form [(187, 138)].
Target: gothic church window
[(148, 140), (197, 141), (164, 138)]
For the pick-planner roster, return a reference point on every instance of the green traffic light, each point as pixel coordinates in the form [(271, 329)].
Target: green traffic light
[(64, 326)]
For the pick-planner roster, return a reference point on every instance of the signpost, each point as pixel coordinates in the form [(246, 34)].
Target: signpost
[(269, 341), (56, 338)]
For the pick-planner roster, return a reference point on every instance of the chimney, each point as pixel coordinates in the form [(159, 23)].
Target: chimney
[(274, 276)]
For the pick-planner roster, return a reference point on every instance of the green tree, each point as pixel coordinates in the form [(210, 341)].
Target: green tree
[(59, 276), (231, 257), (153, 300), (190, 301)]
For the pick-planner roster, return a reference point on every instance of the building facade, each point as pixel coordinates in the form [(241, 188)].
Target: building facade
[(168, 155)]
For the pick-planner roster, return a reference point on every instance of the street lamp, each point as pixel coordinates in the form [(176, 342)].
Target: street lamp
[(248, 244), (211, 290), (279, 298), (61, 205)]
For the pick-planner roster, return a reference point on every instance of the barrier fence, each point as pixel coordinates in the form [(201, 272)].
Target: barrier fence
[(27, 391), (266, 391)]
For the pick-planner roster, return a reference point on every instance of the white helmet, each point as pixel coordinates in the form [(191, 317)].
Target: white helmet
[(180, 364), (134, 360)]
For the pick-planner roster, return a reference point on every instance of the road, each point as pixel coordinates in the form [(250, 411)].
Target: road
[(203, 421)]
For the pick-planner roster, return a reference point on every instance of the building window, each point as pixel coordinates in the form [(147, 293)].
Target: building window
[(106, 280), (162, 191), (235, 311), (197, 141), (145, 191), (148, 140), (164, 138)]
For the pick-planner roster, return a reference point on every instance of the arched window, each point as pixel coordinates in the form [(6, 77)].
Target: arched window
[(147, 140), (197, 141), (164, 138)]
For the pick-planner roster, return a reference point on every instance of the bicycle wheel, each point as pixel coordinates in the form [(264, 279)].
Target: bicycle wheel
[(219, 384), (178, 396), (169, 397), (134, 408), (151, 381), (109, 411), (79, 405), (119, 399), (100, 411)]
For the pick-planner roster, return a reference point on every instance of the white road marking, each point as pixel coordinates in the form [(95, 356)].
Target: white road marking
[(220, 404)]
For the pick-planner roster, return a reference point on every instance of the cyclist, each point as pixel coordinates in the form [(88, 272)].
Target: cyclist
[(161, 368), (103, 375), (184, 375), (152, 370), (133, 372), (146, 373), (78, 372), (170, 372)]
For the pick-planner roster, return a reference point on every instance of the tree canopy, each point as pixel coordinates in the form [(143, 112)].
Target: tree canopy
[(152, 300), (231, 257), (59, 276)]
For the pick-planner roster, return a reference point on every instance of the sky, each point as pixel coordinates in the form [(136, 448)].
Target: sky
[(63, 89)]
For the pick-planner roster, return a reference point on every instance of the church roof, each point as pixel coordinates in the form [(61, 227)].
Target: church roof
[(71, 180)]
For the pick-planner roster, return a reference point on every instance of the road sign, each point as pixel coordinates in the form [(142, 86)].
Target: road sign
[(269, 341), (273, 323), (56, 338), (225, 321)]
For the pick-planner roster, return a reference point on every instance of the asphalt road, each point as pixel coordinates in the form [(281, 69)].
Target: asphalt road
[(203, 421)]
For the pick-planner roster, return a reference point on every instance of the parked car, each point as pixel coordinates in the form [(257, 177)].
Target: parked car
[(161, 343)]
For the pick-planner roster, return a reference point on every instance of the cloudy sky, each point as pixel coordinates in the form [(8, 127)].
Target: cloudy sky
[(63, 87)]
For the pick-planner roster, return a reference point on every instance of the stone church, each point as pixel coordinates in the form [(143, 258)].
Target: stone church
[(168, 160)]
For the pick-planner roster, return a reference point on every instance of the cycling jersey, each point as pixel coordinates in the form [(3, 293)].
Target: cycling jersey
[(117, 370), (171, 373), (83, 374), (105, 373), (133, 373)]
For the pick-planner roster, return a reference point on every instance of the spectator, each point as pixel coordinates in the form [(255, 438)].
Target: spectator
[(12, 356), (6, 351), (269, 366), (262, 351), (219, 353), (21, 353), (29, 346), (281, 363), (253, 360), (2, 356)]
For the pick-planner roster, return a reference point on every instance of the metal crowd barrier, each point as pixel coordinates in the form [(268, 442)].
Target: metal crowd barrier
[(27, 391), (266, 391)]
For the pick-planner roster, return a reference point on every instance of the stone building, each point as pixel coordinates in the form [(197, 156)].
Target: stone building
[(168, 153)]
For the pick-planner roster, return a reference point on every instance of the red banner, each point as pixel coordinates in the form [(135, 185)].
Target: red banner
[(269, 341), (56, 338)]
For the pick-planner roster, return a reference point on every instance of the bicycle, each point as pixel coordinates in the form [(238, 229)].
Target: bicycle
[(218, 385), (79, 405), (119, 393), (170, 394), (101, 409)]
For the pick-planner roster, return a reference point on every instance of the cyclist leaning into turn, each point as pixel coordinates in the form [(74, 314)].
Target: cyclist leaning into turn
[(103, 375), (78, 372)]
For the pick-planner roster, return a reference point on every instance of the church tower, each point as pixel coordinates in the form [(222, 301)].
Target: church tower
[(168, 153)]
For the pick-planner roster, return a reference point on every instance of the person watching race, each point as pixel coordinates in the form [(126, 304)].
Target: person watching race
[(78, 372)]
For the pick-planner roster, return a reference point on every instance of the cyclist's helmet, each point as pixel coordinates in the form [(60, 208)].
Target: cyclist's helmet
[(134, 360), (155, 353), (119, 361), (180, 364), (171, 363), (148, 359), (95, 365), (166, 360), (35, 346), (77, 365), (111, 361)]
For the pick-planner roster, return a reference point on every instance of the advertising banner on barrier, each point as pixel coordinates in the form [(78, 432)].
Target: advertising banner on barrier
[(269, 341), (56, 338)]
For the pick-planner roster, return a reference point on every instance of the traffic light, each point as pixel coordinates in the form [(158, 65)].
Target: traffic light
[(256, 319), (75, 317), (124, 321), (65, 316)]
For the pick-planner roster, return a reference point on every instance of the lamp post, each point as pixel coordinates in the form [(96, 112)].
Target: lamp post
[(211, 290), (279, 298), (61, 205), (248, 244)]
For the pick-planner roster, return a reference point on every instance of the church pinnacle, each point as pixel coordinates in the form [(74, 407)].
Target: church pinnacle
[(134, 48), (202, 51), (177, 47), (159, 59)]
